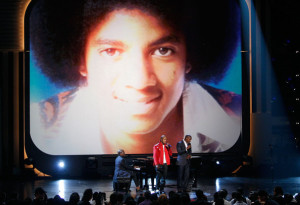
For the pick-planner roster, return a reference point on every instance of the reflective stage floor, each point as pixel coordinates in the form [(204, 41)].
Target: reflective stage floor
[(64, 187)]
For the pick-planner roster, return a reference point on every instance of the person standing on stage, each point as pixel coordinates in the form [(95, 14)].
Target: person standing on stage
[(184, 150), (123, 170), (161, 156)]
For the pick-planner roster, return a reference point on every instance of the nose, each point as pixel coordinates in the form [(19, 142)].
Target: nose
[(139, 72)]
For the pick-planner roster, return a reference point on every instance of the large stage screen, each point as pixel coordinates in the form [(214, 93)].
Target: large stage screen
[(107, 75)]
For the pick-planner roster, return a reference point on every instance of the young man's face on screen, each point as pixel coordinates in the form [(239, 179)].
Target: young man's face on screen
[(135, 65)]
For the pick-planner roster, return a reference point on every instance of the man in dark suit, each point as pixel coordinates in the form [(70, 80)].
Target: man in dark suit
[(123, 170), (184, 150)]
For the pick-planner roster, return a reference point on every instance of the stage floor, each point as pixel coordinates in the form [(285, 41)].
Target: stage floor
[(64, 187)]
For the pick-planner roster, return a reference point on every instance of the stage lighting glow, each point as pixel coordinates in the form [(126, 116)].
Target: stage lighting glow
[(218, 184), (218, 162), (61, 188), (61, 164)]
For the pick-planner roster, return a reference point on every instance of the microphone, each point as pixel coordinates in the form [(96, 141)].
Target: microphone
[(190, 149), (168, 145)]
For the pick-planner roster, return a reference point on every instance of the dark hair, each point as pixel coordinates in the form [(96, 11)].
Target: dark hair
[(58, 200), (278, 190), (200, 195), (147, 194), (185, 198), (39, 190), (140, 199), (234, 194), (240, 190), (113, 198), (262, 193), (187, 136), (253, 195), (87, 195), (74, 198), (120, 197), (223, 193), (239, 197), (129, 199), (59, 29)]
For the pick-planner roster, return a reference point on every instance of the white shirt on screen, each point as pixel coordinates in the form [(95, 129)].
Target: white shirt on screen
[(79, 133)]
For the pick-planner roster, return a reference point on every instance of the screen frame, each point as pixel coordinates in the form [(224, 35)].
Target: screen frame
[(237, 152)]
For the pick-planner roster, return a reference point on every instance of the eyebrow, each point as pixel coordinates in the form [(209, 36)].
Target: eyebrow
[(109, 42), (166, 39)]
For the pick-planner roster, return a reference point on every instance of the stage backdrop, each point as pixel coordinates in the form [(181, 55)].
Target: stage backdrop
[(104, 76)]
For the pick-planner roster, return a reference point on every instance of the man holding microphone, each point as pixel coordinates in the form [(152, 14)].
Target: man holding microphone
[(161, 156), (184, 150)]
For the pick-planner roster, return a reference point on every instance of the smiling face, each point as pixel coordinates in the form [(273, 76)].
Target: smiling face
[(135, 66)]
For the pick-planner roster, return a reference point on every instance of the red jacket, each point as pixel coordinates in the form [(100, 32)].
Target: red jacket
[(158, 157)]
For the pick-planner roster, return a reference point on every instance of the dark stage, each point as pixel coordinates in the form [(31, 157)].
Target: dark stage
[(267, 148), (64, 187)]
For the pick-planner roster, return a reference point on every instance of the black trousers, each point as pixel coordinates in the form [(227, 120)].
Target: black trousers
[(135, 178), (161, 175), (183, 176)]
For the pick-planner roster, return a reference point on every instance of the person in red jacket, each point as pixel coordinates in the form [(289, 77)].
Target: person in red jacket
[(161, 156)]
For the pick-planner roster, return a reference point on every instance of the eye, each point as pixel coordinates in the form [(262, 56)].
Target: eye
[(163, 51), (113, 52)]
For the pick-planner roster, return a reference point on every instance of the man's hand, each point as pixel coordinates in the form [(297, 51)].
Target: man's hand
[(188, 156), (189, 147)]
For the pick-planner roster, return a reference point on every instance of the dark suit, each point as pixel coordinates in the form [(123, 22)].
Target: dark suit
[(183, 166), (123, 170)]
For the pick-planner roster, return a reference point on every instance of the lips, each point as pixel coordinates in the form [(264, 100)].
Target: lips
[(138, 104), (139, 99)]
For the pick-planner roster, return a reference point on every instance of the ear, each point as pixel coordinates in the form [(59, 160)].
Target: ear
[(82, 70), (188, 67)]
